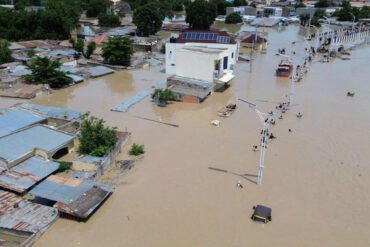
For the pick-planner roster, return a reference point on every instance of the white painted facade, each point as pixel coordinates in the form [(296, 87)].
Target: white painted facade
[(206, 63), (232, 52)]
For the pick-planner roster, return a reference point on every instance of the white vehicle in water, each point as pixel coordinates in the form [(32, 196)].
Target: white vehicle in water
[(221, 18)]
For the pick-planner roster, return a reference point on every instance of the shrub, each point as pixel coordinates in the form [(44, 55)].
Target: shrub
[(64, 166), (136, 149)]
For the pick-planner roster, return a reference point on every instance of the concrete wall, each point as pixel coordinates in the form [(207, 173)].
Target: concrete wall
[(172, 48), (198, 65)]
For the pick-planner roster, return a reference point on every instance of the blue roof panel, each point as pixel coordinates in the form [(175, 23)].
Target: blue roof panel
[(14, 119), (54, 112), (23, 142)]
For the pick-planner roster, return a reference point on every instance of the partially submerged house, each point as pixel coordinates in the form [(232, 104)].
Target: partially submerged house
[(189, 90), (77, 198), (37, 140), (22, 221), (26, 174), (254, 41)]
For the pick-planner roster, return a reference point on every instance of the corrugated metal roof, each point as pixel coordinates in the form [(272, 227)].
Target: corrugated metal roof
[(77, 197), (75, 78), (15, 119), (24, 175), (25, 141), (54, 112), (65, 190), (99, 71), (21, 215)]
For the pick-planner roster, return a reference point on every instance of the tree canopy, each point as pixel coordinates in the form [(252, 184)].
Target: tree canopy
[(5, 52), (200, 14), (118, 50), (347, 12), (233, 18), (45, 71), (95, 138), (148, 20), (106, 20), (96, 7), (55, 22)]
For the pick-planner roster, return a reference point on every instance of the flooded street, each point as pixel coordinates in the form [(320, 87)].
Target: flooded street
[(316, 178)]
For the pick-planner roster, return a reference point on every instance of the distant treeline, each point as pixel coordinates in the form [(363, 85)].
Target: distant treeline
[(54, 22)]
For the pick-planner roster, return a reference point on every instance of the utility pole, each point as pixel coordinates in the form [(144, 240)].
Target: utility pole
[(265, 120)]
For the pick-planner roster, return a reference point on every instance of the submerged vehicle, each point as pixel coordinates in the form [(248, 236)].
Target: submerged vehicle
[(284, 69), (261, 214)]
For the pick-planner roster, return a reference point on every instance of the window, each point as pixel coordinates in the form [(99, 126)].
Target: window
[(232, 55)]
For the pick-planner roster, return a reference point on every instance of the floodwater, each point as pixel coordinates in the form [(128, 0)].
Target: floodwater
[(316, 178)]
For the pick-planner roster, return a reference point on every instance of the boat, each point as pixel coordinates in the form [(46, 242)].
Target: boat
[(227, 111), (284, 69)]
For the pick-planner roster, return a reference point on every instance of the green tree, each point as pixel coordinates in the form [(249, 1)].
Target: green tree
[(90, 49), (221, 6), (95, 138), (364, 12), (45, 71), (345, 13), (319, 14), (299, 4), (31, 53), (5, 52), (118, 50), (304, 19), (162, 96), (233, 18), (322, 4), (147, 19), (178, 6), (78, 44), (240, 3), (200, 15), (106, 20), (96, 7)]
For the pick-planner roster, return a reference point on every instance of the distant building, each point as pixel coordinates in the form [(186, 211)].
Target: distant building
[(272, 11), (242, 10), (210, 39), (306, 11), (258, 42)]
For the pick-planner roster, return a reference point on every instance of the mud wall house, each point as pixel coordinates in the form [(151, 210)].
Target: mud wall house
[(211, 39)]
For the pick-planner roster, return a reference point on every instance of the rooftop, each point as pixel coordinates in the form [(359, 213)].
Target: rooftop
[(21, 215), (204, 49), (53, 112), (77, 197), (20, 143), (99, 71), (21, 177), (14, 119), (220, 37)]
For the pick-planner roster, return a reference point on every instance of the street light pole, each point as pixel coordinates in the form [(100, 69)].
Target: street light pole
[(353, 21), (265, 123)]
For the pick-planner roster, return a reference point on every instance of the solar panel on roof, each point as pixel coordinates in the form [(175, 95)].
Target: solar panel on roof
[(197, 35), (206, 36), (201, 35), (185, 35), (213, 36)]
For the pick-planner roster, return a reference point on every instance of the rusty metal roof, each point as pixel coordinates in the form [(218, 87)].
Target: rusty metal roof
[(77, 197), (21, 177), (19, 214)]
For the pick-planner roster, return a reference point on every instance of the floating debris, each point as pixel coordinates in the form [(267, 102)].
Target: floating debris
[(124, 106)]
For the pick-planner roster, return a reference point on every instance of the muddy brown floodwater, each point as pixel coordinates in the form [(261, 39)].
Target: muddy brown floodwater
[(316, 178)]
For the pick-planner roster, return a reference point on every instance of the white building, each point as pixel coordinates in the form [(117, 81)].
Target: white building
[(207, 64), (272, 11), (210, 39)]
